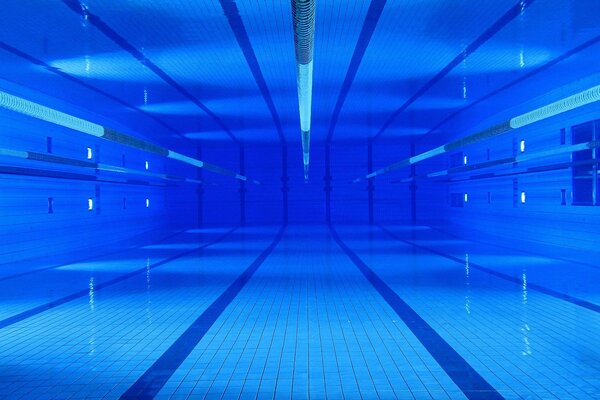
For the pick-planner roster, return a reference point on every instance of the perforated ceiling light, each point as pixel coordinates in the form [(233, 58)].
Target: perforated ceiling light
[(573, 102), (303, 14), (35, 110)]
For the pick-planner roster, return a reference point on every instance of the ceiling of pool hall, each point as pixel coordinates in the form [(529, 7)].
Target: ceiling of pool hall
[(390, 68)]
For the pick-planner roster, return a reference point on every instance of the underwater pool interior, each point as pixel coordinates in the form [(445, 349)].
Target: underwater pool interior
[(342, 199)]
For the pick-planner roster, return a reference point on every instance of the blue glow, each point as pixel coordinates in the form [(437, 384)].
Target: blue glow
[(440, 278)]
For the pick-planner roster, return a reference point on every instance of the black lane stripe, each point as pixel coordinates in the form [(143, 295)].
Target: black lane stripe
[(504, 20), (530, 286), (366, 33), (153, 380), (103, 27), (473, 385), (237, 26), (84, 293)]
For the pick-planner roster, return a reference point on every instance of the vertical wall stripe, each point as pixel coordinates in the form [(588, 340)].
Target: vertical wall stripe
[(284, 182), (413, 185), (200, 188), (371, 182), (242, 188), (327, 180)]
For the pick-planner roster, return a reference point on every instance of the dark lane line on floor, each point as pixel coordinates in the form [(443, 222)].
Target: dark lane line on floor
[(152, 381), (473, 385), (80, 260), (530, 286), (85, 293)]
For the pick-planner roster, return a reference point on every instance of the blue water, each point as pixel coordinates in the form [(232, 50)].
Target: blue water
[(302, 324), (158, 238)]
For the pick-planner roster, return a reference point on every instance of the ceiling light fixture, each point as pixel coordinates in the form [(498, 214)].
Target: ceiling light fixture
[(303, 14)]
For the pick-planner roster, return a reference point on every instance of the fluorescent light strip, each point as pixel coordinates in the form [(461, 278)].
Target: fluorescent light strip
[(511, 160), (306, 152), (426, 155), (305, 79), (575, 101), (188, 160), (27, 155), (558, 107), (303, 15), (35, 110), (38, 111), (13, 153)]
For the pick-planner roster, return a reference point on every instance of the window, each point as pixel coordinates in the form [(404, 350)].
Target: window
[(147, 165), (523, 197), (89, 153), (584, 165), (147, 203), (90, 204), (522, 146)]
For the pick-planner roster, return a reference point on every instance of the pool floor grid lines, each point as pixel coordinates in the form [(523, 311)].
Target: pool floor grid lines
[(149, 384), (98, 346), (307, 330), (530, 286), (97, 287), (302, 324), (473, 385), (526, 344)]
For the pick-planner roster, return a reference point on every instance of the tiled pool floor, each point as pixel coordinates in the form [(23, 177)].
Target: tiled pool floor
[(372, 312)]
